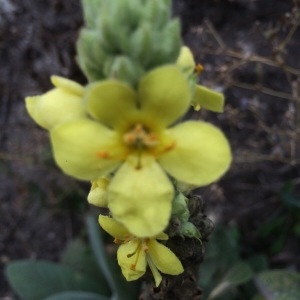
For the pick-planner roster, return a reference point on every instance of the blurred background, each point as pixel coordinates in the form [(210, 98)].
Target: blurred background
[(249, 50)]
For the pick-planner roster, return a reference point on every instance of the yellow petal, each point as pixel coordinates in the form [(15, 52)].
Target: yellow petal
[(201, 155), (54, 108), (164, 94), (208, 99), (68, 85), (163, 258), (111, 102), (98, 193), (141, 198), (162, 236), (85, 149), (127, 260), (186, 60), (114, 228), (155, 272)]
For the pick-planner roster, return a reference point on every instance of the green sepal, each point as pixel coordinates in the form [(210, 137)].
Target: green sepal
[(181, 215), (142, 44), (91, 11), (188, 229), (114, 33), (180, 209), (90, 54), (123, 69), (168, 44), (157, 12)]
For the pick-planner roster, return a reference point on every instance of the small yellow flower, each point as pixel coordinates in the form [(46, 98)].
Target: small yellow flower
[(203, 96), (135, 253), (98, 193)]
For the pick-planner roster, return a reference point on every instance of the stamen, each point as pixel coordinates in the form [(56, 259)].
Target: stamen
[(137, 252), (169, 147), (199, 69), (165, 147), (139, 156), (127, 238), (151, 140), (145, 246), (139, 135), (103, 154)]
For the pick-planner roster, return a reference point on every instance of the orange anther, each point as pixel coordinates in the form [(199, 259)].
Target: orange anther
[(199, 69), (140, 136), (103, 154), (170, 147)]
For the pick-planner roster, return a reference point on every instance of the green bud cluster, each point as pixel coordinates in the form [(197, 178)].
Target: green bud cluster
[(181, 215), (123, 39)]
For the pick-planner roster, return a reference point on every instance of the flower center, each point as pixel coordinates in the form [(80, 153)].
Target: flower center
[(140, 137)]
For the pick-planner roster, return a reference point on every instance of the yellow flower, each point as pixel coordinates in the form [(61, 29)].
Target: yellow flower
[(131, 134), (61, 104), (98, 193), (203, 96), (135, 253)]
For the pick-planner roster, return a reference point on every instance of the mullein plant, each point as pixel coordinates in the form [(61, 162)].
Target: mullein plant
[(123, 131)]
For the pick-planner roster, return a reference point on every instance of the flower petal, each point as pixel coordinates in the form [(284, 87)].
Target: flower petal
[(186, 60), (114, 228), (68, 85), (85, 149), (164, 94), (155, 272), (133, 266), (54, 108), (201, 155), (162, 236), (141, 198), (111, 102), (98, 192), (163, 258), (208, 99)]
